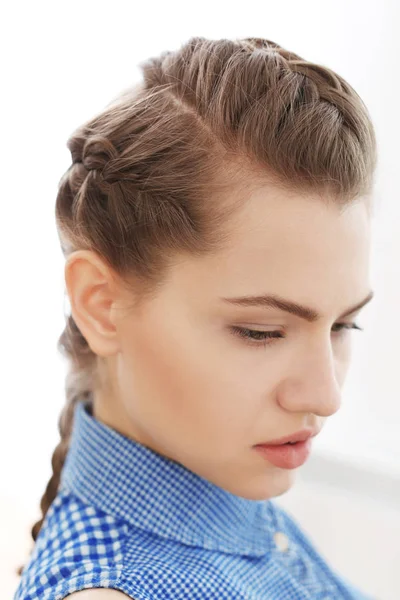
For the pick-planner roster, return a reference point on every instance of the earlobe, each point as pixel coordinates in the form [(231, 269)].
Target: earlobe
[(91, 296)]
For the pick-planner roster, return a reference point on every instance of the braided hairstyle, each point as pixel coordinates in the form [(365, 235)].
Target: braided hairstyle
[(148, 171)]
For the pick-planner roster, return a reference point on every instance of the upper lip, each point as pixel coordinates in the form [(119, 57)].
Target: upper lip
[(298, 436)]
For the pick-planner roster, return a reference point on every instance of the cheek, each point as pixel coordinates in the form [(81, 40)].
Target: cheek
[(180, 382), (343, 361)]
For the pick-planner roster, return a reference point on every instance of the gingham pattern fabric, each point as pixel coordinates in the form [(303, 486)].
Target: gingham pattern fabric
[(127, 518)]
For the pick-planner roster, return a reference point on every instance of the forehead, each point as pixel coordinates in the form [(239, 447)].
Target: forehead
[(297, 247), (272, 220)]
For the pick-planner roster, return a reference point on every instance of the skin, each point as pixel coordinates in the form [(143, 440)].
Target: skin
[(100, 593), (180, 381)]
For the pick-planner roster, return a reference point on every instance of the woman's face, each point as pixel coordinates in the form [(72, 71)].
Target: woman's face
[(188, 387)]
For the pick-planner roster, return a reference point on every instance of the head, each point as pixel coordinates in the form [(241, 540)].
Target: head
[(236, 168)]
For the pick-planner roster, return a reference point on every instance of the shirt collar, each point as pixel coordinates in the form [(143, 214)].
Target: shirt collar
[(131, 481)]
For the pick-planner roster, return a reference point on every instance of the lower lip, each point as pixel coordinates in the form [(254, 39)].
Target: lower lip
[(287, 456)]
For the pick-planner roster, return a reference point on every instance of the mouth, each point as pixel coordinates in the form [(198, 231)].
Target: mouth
[(288, 455), (295, 438)]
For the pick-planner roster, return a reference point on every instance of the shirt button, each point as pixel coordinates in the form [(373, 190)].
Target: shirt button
[(281, 540)]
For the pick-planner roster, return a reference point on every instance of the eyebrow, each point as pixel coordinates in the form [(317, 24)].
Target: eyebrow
[(304, 312)]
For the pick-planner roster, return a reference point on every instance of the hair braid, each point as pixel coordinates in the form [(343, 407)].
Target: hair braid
[(78, 387)]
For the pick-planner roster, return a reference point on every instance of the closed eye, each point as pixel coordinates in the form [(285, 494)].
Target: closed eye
[(255, 337), (347, 326)]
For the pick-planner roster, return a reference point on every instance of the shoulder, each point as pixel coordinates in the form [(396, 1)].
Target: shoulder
[(98, 594), (78, 545), (75, 531)]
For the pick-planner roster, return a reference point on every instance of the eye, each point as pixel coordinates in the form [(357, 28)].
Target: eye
[(343, 326), (255, 337)]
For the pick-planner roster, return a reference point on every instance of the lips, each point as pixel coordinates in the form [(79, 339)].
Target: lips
[(286, 456), (299, 436)]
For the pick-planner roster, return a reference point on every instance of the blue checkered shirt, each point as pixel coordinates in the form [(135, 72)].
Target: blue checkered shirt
[(128, 518)]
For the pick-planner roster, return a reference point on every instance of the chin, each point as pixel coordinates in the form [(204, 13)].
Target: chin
[(274, 484)]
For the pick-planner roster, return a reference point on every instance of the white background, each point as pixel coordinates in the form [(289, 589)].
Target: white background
[(61, 63)]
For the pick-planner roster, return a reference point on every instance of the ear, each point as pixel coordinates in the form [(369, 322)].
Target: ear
[(92, 293)]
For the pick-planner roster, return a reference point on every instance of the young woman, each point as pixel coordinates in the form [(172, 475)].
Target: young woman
[(215, 222)]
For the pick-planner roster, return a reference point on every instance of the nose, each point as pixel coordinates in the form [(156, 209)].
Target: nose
[(314, 386)]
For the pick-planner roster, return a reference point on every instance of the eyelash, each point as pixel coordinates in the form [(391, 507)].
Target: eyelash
[(271, 337)]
